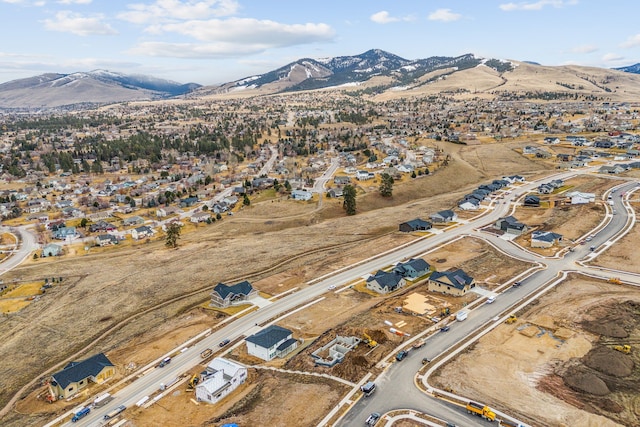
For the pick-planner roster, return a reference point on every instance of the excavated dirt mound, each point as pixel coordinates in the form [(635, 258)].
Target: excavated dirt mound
[(607, 329), (609, 361), (579, 379), (613, 319), (378, 335)]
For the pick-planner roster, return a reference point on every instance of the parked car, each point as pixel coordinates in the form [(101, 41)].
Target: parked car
[(444, 329), (372, 419), (331, 287), (491, 300), (401, 355), (516, 284), (425, 360), (224, 342)]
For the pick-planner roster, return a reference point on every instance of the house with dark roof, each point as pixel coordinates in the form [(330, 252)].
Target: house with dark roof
[(456, 282), (510, 225), (76, 375), (415, 225), (384, 282), (532, 201), (544, 239), (224, 295), (443, 217), (271, 342), (412, 269), (106, 240), (141, 232)]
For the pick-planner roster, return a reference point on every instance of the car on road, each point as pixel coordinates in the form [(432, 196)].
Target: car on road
[(589, 238), (372, 419), (491, 300), (425, 360), (444, 329), (224, 342), (401, 355), (516, 284), (592, 248), (331, 287), (164, 362)]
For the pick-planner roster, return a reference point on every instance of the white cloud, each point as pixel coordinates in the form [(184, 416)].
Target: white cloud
[(232, 37), (612, 57), (38, 3), (194, 50), (75, 23), (587, 48), (508, 7), (445, 15), (632, 41), (242, 31), (383, 17), (74, 1), (172, 10)]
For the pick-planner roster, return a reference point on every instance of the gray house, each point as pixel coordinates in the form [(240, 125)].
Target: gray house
[(51, 250), (384, 282), (224, 295), (510, 225), (443, 217), (415, 225), (412, 269)]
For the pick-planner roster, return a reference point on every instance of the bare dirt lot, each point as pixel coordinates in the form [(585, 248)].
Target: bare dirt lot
[(558, 364)]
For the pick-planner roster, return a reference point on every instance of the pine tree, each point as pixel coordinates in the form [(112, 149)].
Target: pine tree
[(386, 185), (349, 204)]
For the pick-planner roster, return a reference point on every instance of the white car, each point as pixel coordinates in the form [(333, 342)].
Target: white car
[(331, 287), (490, 300)]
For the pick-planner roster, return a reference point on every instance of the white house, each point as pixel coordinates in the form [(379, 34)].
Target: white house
[(221, 378), (271, 342), (468, 205), (301, 195), (578, 198), (141, 232)]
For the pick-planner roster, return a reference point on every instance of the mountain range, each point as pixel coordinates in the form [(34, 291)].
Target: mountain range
[(374, 72), (86, 88)]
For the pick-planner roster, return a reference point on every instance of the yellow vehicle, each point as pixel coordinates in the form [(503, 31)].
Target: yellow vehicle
[(193, 382), (511, 319), (481, 410), (615, 281), (369, 341), (626, 349)]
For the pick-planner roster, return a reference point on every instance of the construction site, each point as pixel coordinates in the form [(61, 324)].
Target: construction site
[(563, 366)]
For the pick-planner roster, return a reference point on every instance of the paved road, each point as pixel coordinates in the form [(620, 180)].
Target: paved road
[(28, 244), (320, 183), (149, 383), (399, 379)]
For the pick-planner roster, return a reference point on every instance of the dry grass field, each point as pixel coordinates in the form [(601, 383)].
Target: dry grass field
[(107, 287)]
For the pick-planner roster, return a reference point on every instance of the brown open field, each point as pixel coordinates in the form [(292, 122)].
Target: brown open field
[(557, 364), (110, 286)]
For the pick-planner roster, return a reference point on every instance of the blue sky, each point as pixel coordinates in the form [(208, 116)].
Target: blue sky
[(215, 41)]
